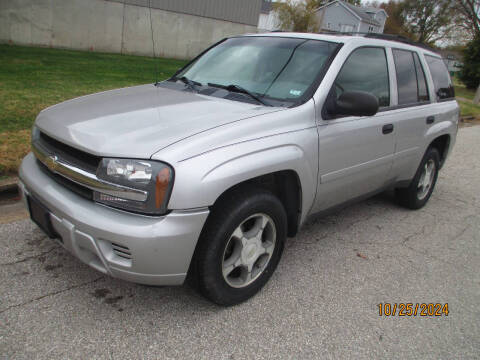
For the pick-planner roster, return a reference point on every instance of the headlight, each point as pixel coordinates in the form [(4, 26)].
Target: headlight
[(35, 133), (152, 177)]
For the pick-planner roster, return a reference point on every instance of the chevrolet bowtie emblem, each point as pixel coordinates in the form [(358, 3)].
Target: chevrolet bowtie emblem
[(51, 161)]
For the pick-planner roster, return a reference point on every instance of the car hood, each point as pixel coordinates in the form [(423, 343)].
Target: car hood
[(138, 121)]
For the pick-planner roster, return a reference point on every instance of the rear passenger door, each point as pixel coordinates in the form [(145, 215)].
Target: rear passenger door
[(356, 153), (413, 112)]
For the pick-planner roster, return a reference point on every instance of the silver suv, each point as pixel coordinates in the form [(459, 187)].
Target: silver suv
[(206, 174)]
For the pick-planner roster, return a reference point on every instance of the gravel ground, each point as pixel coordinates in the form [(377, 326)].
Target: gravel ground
[(322, 302)]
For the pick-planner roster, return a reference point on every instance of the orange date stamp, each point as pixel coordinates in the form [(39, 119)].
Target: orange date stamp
[(413, 309)]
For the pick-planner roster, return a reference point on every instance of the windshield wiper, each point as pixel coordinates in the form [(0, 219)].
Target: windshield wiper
[(192, 85), (239, 89)]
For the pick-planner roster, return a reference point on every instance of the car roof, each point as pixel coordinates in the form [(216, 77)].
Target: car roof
[(347, 38)]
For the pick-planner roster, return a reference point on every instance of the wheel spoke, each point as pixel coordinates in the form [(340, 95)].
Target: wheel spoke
[(227, 270), (421, 181), (269, 247), (234, 258), (426, 179), (238, 233), (248, 277), (264, 222)]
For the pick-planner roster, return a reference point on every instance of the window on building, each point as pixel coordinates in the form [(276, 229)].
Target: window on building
[(372, 78)]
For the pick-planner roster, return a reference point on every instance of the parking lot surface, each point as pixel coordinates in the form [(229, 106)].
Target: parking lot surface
[(322, 302)]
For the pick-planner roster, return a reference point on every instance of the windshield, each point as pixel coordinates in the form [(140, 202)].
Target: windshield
[(278, 68)]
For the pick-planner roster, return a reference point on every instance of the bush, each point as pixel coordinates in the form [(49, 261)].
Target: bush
[(470, 74)]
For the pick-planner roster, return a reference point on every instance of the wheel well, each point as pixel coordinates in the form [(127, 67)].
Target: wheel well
[(441, 143), (286, 186)]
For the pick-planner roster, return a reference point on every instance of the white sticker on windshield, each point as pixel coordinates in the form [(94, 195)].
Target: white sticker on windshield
[(295, 92)]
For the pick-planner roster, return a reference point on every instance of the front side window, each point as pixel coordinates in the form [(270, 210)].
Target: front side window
[(441, 79), (365, 70), (278, 68), (411, 83)]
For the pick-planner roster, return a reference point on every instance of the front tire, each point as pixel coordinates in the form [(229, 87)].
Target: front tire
[(240, 246), (421, 188)]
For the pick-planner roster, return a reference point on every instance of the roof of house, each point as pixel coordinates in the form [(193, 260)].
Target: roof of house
[(266, 6), (451, 55), (361, 12)]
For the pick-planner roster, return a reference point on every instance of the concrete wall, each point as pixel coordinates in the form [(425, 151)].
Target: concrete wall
[(108, 26)]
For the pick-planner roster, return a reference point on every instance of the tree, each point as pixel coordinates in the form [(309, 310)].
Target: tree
[(468, 16), (298, 16), (428, 21), (470, 74), (395, 24)]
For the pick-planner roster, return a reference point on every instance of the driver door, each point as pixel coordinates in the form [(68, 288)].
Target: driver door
[(356, 153)]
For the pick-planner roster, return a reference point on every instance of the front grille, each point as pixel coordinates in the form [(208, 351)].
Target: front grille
[(122, 251), (72, 186), (69, 154)]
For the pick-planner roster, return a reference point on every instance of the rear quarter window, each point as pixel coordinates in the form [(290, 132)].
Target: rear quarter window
[(441, 78)]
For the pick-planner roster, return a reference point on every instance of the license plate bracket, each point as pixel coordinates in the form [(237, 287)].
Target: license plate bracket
[(40, 215)]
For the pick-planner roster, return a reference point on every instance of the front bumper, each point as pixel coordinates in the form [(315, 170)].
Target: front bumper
[(137, 248)]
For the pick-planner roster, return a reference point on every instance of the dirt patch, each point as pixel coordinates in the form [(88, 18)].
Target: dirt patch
[(113, 300), (101, 293), (53, 267)]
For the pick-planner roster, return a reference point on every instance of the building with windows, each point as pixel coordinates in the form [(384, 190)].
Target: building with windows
[(453, 60), (268, 19), (340, 16)]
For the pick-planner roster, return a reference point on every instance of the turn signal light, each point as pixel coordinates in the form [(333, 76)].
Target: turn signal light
[(161, 186)]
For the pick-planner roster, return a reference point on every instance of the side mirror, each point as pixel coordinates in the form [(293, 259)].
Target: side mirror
[(355, 103)]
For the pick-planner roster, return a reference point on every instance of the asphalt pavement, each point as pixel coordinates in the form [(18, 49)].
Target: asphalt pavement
[(322, 302)]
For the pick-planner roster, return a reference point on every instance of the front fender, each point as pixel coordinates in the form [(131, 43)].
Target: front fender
[(200, 180)]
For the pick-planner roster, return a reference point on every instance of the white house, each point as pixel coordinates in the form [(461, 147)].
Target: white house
[(340, 16), (268, 19)]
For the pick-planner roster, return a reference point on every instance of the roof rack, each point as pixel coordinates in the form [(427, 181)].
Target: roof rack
[(397, 38)]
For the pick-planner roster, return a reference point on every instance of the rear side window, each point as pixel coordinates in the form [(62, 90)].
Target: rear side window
[(412, 87), (441, 79), (366, 70)]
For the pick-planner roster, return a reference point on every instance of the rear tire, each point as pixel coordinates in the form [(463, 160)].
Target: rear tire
[(417, 194), (240, 245)]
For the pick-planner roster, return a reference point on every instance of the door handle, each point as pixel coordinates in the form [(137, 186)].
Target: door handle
[(387, 129), (430, 119)]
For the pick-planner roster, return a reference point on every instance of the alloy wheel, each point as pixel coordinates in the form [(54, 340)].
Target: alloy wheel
[(249, 250)]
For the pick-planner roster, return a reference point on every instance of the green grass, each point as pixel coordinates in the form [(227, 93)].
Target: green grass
[(463, 92), (33, 78), (468, 109), (465, 99)]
